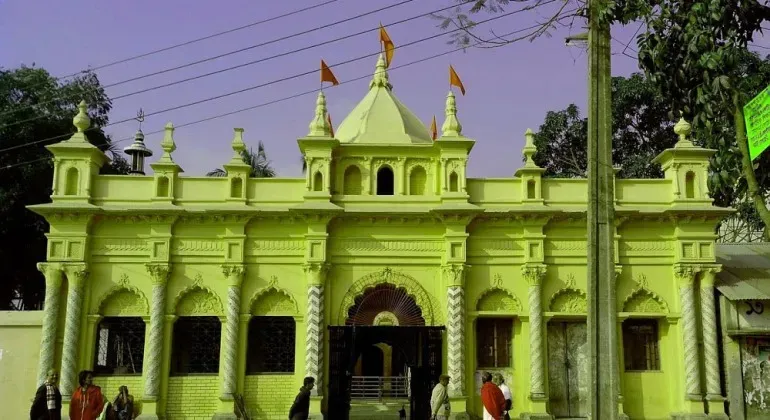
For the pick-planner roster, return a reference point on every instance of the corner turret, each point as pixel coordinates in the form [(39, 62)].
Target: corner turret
[(531, 175), (454, 149), (317, 148), (166, 170)]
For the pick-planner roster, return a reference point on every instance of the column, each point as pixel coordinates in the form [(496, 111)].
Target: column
[(534, 275), (76, 279), (454, 276), (47, 361), (314, 351), (234, 276), (685, 276), (160, 274), (710, 349)]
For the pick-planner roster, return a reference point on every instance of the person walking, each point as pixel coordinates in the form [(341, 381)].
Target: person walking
[(439, 399), (87, 401), (491, 398), (498, 380), (47, 402), (300, 410), (124, 404)]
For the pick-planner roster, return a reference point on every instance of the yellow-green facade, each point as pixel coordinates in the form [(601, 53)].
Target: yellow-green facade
[(166, 246)]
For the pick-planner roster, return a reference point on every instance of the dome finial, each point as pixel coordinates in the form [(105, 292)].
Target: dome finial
[(380, 78), (529, 149), (168, 145), (319, 126), (238, 145), (451, 126), (81, 121), (683, 130)]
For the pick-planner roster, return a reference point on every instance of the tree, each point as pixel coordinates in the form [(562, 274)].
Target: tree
[(697, 52), (260, 165), (26, 171), (641, 125)]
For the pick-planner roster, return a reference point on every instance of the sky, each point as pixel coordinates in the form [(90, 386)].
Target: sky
[(508, 89)]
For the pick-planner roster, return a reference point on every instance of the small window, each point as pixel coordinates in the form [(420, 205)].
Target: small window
[(454, 182), (318, 182), (352, 181), (271, 345), (640, 345), (162, 189), (493, 342), (72, 182), (195, 346), (689, 185), (236, 187), (531, 189), (119, 346), (385, 182)]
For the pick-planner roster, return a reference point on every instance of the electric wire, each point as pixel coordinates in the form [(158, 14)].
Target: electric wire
[(283, 79), (275, 101)]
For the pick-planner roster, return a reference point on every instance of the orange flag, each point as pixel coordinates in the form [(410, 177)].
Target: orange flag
[(387, 45), (329, 121), (327, 75), (433, 129), (454, 80)]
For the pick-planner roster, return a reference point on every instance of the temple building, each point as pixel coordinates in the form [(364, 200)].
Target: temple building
[(382, 268)]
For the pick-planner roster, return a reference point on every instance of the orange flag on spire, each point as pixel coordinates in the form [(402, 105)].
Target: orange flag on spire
[(387, 45), (327, 75), (454, 80), (329, 121), (433, 129)]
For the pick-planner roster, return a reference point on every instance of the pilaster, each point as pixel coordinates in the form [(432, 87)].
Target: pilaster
[(53, 282), (233, 273), (714, 398), (454, 278), (534, 275), (685, 275), (77, 274), (159, 274), (314, 353)]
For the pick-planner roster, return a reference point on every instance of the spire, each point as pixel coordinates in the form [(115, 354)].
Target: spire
[(380, 78), (683, 130), (138, 151), (529, 149), (82, 122), (319, 126), (168, 144), (451, 126), (238, 146)]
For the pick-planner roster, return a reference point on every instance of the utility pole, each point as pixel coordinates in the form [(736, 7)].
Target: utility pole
[(602, 315)]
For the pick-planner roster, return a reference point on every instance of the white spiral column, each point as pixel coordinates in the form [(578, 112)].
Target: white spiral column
[(76, 279), (534, 274), (314, 345), (709, 323), (159, 274), (234, 275), (454, 276), (53, 277), (686, 275)]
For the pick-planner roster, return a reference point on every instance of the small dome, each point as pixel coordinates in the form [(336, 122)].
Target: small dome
[(380, 118)]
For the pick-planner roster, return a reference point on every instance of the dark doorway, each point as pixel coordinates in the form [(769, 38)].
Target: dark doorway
[(385, 181), (420, 349)]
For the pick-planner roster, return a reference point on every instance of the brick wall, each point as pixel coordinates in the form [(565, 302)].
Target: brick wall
[(269, 397), (192, 397)]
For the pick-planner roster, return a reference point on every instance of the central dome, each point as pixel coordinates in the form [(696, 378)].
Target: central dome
[(380, 118)]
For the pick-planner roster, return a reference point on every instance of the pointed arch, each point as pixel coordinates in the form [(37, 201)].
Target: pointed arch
[(197, 300), (569, 300), (123, 300), (644, 300), (273, 301), (499, 300), (428, 306)]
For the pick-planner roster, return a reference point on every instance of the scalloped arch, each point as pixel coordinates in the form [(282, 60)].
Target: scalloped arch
[(428, 306), (498, 299), (644, 300), (197, 299), (273, 300), (122, 300), (569, 300)]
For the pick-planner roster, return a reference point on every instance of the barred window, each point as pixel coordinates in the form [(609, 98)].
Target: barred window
[(119, 346), (195, 347), (640, 345), (493, 342), (271, 345)]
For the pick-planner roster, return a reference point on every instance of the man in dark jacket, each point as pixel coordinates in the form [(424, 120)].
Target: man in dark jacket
[(47, 403), (300, 410)]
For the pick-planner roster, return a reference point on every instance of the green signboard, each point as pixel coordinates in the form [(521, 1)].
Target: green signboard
[(757, 116)]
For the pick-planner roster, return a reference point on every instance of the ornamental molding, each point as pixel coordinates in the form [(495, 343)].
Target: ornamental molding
[(498, 299), (197, 299), (643, 299), (534, 274), (275, 245), (190, 246), (455, 274), (159, 273), (273, 300), (120, 246), (569, 299), (353, 245), (77, 273), (386, 219), (123, 299)]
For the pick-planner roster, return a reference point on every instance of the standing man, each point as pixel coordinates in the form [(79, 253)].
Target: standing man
[(87, 401), (300, 410), (439, 400), (492, 398), (47, 403), (498, 380)]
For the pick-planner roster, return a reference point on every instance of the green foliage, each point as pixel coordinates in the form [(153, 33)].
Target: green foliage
[(641, 127), (25, 94), (260, 165)]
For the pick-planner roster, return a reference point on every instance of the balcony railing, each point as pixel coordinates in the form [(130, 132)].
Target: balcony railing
[(379, 387)]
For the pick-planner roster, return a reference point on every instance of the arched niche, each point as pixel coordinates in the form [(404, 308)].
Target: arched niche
[(428, 306), (498, 300), (198, 300), (161, 189), (236, 187), (690, 185), (273, 301), (643, 300), (72, 181), (352, 180), (569, 300), (418, 179), (454, 182), (318, 181), (385, 181), (123, 300)]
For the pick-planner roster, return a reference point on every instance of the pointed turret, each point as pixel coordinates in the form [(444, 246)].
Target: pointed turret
[(381, 78), (166, 171), (138, 151), (319, 126), (451, 126), (531, 175), (238, 171)]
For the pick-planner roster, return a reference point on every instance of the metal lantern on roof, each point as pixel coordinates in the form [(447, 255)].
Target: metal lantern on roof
[(137, 150)]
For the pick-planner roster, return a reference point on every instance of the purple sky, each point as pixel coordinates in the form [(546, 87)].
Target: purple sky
[(509, 89)]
